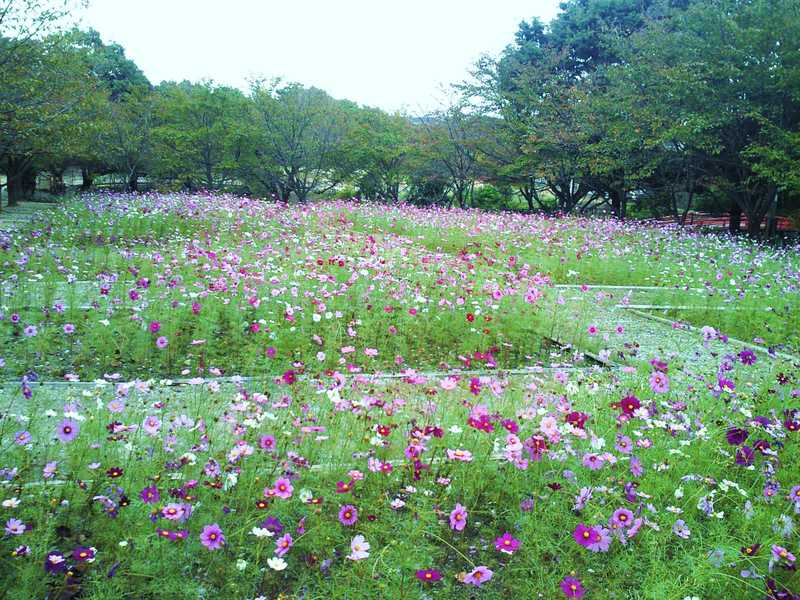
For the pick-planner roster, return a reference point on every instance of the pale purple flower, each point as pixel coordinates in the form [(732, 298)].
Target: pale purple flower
[(659, 382), (67, 430), (681, 529), (458, 518), (22, 438), (359, 548), (283, 544), (15, 527), (151, 425), (478, 576)]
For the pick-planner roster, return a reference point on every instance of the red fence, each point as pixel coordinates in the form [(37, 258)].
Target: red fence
[(722, 221)]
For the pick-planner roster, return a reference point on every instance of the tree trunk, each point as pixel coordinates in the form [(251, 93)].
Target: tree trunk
[(87, 179), (57, 186), (28, 183), (735, 223), (689, 199), (619, 202), (209, 178), (14, 186), (394, 192), (754, 225), (527, 193), (772, 218), (21, 180), (133, 182)]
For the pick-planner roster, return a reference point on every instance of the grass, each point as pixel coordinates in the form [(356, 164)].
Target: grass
[(282, 294)]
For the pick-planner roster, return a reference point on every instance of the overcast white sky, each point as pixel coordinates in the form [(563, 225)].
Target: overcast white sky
[(392, 54)]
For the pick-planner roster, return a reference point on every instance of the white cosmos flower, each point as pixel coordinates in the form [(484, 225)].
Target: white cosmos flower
[(276, 564), (260, 532)]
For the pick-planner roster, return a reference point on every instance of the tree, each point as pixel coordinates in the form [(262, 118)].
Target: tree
[(39, 87), (42, 91), (128, 143), (722, 82), (299, 134), (448, 139), (379, 147), (199, 137)]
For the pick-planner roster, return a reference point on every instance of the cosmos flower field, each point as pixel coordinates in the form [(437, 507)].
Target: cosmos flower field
[(218, 397)]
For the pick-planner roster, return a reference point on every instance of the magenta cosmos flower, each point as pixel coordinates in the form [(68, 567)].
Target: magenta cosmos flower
[(348, 515), (478, 576), (572, 587), (150, 495), (507, 543), (596, 539), (84, 554), (212, 537), (67, 430), (429, 575), (458, 518)]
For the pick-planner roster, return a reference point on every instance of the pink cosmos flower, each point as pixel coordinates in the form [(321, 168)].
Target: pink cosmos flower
[(462, 455), (283, 488), (174, 511), (449, 383), (596, 539), (592, 461), (507, 543), (429, 575)]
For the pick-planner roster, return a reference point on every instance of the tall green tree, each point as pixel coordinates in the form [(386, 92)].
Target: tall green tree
[(298, 137), (199, 136)]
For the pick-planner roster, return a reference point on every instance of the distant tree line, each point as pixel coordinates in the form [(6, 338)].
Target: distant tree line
[(634, 107)]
